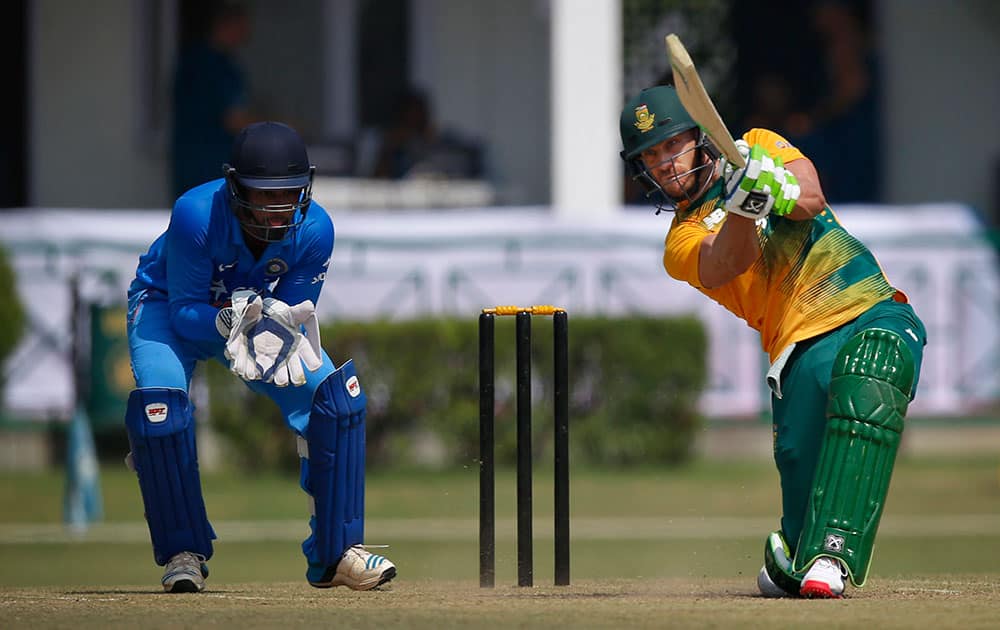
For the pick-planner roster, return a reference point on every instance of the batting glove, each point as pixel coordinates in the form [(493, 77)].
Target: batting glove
[(761, 187), (786, 192)]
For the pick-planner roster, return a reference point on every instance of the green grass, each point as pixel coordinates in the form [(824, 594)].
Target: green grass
[(649, 545), (705, 488)]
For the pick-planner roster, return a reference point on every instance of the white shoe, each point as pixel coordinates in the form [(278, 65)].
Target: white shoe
[(360, 570), (824, 579), (185, 573)]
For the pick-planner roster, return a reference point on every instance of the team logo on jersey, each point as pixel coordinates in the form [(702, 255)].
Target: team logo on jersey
[(276, 267), (714, 218), (156, 412), (643, 119), (353, 387)]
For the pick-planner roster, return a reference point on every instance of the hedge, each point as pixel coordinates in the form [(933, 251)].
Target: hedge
[(634, 387)]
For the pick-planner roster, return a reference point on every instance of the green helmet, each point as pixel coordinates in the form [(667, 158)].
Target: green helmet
[(652, 116)]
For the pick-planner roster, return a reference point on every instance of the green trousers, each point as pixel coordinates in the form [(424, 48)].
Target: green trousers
[(800, 415)]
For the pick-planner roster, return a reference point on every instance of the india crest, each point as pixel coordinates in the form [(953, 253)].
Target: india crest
[(643, 119)]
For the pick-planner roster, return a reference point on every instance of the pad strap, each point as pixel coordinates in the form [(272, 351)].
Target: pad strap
[(333, 470), (161, 434)]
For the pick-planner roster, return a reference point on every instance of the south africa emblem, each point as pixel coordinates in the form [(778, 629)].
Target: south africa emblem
[(643, 119)]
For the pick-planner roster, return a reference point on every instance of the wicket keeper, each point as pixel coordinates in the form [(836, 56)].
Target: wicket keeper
[(845, 346), (236, 277)]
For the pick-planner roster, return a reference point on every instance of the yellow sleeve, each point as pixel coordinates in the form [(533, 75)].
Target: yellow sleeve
[(682, 249), (773, 144)]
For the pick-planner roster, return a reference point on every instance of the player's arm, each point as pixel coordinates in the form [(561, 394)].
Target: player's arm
[(707, 258), (811, 200), (728, 253), (189, 276)]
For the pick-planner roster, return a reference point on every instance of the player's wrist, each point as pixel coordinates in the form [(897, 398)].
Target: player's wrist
[(736, 219)]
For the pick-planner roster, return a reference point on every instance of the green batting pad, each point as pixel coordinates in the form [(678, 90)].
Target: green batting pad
[(869, 393)]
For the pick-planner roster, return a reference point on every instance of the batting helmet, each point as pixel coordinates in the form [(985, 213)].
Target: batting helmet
[(649, 118), (652, 116)]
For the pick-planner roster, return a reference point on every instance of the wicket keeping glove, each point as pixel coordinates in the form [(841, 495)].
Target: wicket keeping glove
[(278, 346), (233, 322), (760, 187)]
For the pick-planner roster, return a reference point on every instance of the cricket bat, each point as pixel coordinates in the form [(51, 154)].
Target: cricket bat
[(697, 102)]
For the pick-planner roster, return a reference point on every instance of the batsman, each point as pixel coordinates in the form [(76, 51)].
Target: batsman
[(844, 345), (235, 278)]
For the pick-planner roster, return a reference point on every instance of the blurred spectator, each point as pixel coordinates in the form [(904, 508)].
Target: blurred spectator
[(412, 146), (210, 96), (829, 105), (847, 118), (773, 107)]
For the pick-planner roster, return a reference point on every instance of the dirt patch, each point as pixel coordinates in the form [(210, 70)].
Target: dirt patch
[(951, 601)]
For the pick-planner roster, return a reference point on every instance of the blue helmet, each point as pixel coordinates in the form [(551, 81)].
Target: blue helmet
[(269, 156)]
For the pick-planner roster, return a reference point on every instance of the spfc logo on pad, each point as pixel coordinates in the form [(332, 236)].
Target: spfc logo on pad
[(156, 412), (833, 543), (643, 119), (353, 387)]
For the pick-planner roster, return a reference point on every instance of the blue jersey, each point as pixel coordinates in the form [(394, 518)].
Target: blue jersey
[(201, 259)]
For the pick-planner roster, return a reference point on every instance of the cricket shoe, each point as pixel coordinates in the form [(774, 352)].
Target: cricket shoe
[(358, 569), (185, 573), (776, 578), (824, 580), (768, 588)]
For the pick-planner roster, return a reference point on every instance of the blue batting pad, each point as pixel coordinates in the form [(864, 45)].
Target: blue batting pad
[(333, 470), (161, 432)]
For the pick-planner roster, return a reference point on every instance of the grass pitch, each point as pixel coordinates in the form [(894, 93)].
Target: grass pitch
[(650, 548)]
